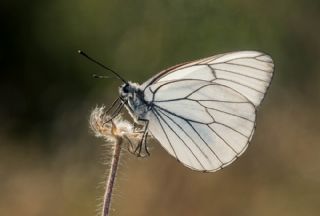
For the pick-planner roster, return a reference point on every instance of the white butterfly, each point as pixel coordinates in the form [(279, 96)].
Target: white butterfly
[(202, 112)]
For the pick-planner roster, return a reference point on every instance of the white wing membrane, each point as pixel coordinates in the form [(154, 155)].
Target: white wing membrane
[(203, 112), (200, 71), (205, 134), (247, 72)]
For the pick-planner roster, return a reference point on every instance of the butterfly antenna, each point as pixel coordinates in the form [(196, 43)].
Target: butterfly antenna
[(102, 65), (100, 76)]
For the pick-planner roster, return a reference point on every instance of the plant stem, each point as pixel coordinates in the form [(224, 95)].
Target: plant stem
[(112, 176)]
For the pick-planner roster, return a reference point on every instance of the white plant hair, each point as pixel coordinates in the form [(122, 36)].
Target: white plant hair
[(115, 132), (102, 127)]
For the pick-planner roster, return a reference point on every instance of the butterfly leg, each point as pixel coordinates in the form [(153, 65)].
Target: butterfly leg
[(114, 113), (112, 105), (138, 130), (130, 144), (143, 141), (145, 144)]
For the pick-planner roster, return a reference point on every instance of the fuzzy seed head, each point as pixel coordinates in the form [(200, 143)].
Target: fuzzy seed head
[(110, 130)]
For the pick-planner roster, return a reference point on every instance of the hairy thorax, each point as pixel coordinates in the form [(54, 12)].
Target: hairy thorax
[(136, 105)]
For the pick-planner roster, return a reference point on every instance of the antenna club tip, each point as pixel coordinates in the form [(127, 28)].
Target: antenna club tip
[(79, 51)]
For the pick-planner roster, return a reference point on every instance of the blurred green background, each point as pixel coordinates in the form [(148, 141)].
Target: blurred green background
[(50, 163)]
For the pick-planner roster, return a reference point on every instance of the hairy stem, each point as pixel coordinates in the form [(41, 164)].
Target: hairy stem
[(112, 176)]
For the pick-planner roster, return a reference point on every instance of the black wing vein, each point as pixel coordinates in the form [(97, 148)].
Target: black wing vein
[(192, 138), (168, 125)]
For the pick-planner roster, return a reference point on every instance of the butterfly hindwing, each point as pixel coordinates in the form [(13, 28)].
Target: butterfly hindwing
[(204, 125)]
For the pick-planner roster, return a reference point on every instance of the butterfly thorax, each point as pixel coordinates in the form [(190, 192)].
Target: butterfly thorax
[(132, 95)]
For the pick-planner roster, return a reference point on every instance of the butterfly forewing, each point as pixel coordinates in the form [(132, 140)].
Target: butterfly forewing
[(247, 72)]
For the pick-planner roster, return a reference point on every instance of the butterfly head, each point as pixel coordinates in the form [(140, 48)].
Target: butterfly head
[(127, 90), (132, 95)]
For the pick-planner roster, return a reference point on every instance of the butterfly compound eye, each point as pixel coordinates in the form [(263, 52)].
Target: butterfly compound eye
[(126, 88)]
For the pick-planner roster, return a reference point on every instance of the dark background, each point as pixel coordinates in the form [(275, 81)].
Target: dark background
[(50, 163)]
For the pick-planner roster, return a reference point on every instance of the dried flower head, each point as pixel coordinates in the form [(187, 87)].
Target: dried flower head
[(101, 125)]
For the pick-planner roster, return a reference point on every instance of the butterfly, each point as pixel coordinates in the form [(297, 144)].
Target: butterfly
[(202, 112)]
